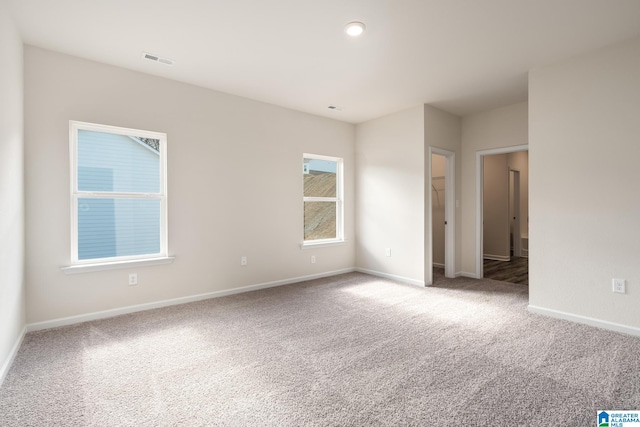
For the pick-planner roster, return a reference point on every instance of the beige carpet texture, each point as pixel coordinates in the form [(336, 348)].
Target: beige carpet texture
[(350, 350)]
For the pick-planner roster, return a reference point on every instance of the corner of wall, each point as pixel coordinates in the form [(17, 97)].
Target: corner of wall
[(12, 237), (390, 172)]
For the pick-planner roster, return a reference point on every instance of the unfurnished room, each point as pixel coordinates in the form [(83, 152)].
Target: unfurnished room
[(319, 213)]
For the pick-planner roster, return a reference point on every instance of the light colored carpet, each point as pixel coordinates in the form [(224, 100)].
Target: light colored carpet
[(352, 350)]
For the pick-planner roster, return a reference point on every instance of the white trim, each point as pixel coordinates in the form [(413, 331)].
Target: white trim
[(467, 274), (479, 214), (320, 157), (310, 244), (11, 357), (119, 130), (479, 195), (437, 264), (428, 268), (403, 279), (497, 257), (616, 327), (65, 321), (321, 199), (88, 268)]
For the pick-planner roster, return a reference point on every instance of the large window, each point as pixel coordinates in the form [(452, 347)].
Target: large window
[(118, 194), (323, 204)]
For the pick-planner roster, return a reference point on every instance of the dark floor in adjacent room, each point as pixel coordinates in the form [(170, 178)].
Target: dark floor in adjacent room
[(514, 271)]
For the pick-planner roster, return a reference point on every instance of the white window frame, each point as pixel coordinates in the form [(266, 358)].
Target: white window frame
[(97, 264), (339, 200)]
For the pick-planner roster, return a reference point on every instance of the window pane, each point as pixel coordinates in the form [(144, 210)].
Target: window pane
[(319, 220), (118, 227), (319, 178), (118, 163)]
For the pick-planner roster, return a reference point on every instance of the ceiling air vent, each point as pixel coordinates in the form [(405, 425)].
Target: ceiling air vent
[(156, 58)]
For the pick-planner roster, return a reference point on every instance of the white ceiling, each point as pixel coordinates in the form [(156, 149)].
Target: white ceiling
[(463, 56)]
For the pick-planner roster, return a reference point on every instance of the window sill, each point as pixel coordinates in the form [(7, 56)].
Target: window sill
[(322, 243), (88, 268)]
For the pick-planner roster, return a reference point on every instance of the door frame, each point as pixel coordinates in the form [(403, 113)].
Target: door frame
[(449, 214), (480, 198)]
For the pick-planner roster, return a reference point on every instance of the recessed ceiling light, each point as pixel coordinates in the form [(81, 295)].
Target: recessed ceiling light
[(354, 29)]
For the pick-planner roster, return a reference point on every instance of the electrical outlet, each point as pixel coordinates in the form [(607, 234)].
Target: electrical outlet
[(619, 286), (243, 260), (313, 259), (387, 251), (133, 279)]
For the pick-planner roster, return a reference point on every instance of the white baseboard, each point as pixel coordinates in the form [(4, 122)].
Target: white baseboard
[(497, 257), (65, 321), (616, 327), (437, 264), (467, 274), (4, 370), (403, 279)]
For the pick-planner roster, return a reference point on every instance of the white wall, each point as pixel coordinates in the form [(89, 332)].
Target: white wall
[(12, 288), (584, 198), (499, 128), (234, 185), (390, 194)]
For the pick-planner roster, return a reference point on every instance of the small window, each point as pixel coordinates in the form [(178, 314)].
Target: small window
[(322, 198), (118, 194)]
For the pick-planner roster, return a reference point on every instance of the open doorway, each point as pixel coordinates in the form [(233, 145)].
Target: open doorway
[(438, 223), (502, 214), (441, 214)]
